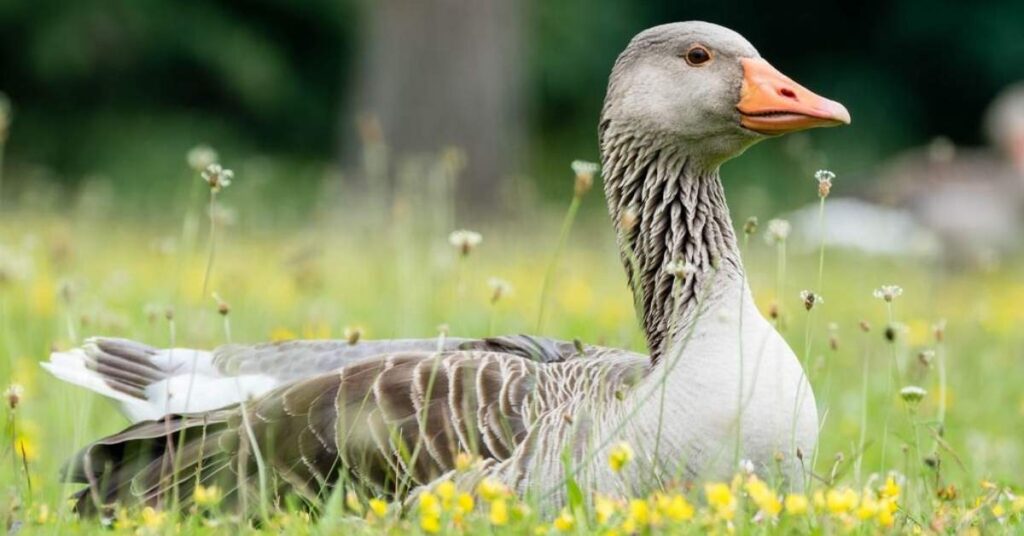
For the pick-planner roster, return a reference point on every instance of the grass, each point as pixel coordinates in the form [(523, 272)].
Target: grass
[(943, 464)]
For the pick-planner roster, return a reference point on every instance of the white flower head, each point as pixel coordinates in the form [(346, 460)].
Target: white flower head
[(13, 394), (201, 157), (464, 240), (499, 288), (217, 177), (912, 394), (888, 292), (585, 172), (811, 299), (777, 232), (680, 269), (824, 178), (747, 466)]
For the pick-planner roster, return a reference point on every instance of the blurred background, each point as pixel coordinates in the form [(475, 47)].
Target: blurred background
[(111, 94)]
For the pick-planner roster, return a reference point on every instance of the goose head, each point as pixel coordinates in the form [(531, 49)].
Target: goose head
[(706, 87)]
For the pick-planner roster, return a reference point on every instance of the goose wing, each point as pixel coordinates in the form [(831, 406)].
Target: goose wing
[(387, 423), (150, 383)]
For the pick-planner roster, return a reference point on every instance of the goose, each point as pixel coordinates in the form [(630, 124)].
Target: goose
[(308, 418)]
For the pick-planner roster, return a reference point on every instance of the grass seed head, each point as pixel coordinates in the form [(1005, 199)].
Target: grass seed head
[(585, 172), (499, 288), (217, 177), (353, 334), (465, 241), (14, 393), (888, 293), (824, 178), (750, 226), (810, 299), (223, 308)]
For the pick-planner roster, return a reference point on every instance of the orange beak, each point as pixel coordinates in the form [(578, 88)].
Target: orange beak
[(771, 103)]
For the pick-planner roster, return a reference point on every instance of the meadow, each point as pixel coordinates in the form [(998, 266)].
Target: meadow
[(918, 387)]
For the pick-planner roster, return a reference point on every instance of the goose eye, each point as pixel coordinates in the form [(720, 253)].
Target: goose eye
[(697, 55)]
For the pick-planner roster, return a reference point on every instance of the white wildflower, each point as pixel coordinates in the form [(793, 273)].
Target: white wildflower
[(499, 288), (465, 241), (778, 231), (217, 177), (888, 292), (912, 394)]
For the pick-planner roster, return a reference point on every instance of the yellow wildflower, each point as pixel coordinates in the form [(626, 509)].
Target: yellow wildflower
[(42, 514), (819, 500), (206, 496), (998, 510), (1018, 504), (868, 506), (499, 512), (490, 489), (639, 512), (841, 501), (446, 491), (620, 454), (604, 508), (281, 333), (123, 521), (763, 496), (676, 507), (378, 507), (152, 519), (796, 504), (890, 489), (465, 502), (429, 505), (721, 499), (565, 521), (464, 460), (430, 524), (887, 512)]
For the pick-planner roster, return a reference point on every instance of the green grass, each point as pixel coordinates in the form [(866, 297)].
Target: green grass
[(388, 270)]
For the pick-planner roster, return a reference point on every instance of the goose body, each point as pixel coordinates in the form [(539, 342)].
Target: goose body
[(392, 416)]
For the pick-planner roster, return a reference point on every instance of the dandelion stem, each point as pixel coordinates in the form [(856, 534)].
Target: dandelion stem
[(738, 448), (563, 237), (212, 251), (863, 410)]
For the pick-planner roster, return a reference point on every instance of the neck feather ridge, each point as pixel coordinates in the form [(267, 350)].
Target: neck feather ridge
[(667, 208)]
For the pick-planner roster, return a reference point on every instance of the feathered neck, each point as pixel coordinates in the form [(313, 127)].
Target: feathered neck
[(669, 212)]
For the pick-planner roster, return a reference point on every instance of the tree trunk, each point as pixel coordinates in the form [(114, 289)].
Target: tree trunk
[(441, 73)]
